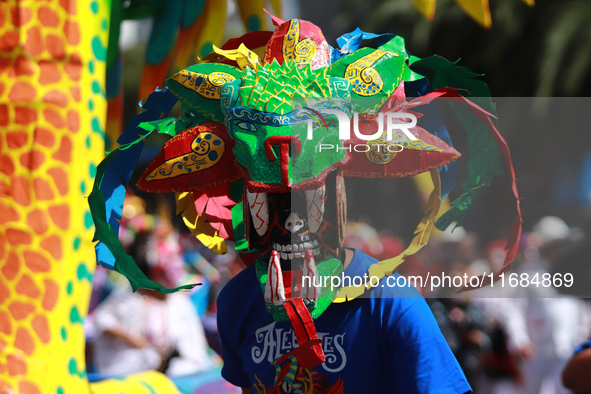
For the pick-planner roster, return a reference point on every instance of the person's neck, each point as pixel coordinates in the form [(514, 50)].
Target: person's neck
[(349, 254)]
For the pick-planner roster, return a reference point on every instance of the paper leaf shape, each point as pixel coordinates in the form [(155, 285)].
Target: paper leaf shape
[(198, 88), (448, 74), (383, 160), (487, 147), (478, 10), (298, 41), (426, 7), (208, 215), (196, 159), (400, 156), (106, 199)]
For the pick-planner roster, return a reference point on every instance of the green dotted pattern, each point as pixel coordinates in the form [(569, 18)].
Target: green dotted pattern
[(84, 273), (73, 368)]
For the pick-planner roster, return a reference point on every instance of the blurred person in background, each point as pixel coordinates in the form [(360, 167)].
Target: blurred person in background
[(575, 261), (461, 320), (465, 329), (363, 237), (543, 327), (501, 370), (147, 330)]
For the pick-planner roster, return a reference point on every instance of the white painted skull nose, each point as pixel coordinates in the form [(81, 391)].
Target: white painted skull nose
[(293, 222)]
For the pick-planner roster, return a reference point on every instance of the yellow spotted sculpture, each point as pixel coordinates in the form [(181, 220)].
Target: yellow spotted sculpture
[(52, 121)]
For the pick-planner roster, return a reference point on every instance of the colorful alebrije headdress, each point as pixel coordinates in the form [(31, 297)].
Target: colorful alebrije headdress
[(242, 148)]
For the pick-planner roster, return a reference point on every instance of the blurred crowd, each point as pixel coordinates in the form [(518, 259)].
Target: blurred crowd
[(515, 338), (129, 332), (511, 339)]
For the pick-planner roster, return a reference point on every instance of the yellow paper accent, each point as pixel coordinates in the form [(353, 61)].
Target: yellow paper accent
[(423, 231), (197, 225), (214, 243), (183, 201), (365, 80), (206, 85), (195, 161), (426, 7), (243, 56), (477, 10), (425, 186)]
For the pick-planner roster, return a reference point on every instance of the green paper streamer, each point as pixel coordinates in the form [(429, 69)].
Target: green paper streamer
[(164, 126), (398, 46), (124, 264), (485, 162), (239, 230), (448, 74), (486, 159)]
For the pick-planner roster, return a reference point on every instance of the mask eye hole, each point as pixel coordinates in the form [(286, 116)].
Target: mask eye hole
[(247, 126)]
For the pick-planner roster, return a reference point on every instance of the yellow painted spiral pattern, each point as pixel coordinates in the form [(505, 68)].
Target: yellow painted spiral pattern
[(207, 85), (300, 52), (365, 79)]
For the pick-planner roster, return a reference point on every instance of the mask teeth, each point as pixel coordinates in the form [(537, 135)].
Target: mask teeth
[(309, 291), (315, 206), (259, 211), (274, 290)]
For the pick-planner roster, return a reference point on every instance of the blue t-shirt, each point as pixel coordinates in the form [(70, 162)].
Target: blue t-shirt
[(389, 343)]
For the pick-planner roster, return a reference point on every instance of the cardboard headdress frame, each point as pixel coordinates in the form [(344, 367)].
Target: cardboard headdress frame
[(198, 163)]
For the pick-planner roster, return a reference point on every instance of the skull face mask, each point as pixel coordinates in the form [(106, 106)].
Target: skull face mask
[(262, 149)]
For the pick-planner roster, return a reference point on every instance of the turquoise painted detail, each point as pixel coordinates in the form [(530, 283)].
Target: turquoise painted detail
[(92, 170), (77, 240), (88, 223), (254, 23), (98, 49), (83, 273)]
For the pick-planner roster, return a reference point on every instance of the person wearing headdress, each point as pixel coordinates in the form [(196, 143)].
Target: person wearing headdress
[(260, 156)]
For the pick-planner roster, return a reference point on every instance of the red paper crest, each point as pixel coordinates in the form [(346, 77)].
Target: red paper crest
[(196, 159)]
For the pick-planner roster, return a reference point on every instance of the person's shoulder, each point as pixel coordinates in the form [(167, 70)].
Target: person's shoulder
[(393, 289), (241, 303), (360, 263), (238, 288)]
